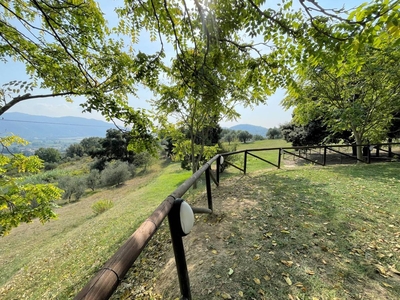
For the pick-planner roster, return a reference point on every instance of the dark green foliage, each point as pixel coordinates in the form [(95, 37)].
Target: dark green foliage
[(75, 150), (394, 130), (244, 136), (115, 147), (115, 173), (258, 137), (314, 133), (99, 164), (48, 155), (274, 133), (142, 160), (50, 166), (91, 145)]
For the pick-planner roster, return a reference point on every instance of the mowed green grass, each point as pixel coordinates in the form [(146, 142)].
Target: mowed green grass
[(311, 232), (55, 260), (253, 163)]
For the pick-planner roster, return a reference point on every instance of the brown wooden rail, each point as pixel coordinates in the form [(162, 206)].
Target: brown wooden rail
[(107, 279)]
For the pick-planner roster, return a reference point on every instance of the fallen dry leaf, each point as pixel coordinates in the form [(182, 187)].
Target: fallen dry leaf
[(298, 284), (288, 280), (381, 270), (226, 296), (257, 281), (267, 278), (287, 263), (394, 270), (387, 285), (310, 272), (240, 294)]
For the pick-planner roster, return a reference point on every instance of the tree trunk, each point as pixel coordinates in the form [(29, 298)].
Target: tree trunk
[(358, 139)]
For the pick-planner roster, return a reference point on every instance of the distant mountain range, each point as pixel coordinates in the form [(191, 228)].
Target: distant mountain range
[(251, 128), (32, 127)]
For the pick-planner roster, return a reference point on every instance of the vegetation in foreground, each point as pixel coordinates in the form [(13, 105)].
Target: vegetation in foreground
[(304, 233)]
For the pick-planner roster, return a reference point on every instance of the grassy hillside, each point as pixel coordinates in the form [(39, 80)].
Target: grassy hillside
[(53, 261)]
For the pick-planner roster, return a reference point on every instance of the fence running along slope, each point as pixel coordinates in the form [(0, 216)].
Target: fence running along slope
[(107, 279)]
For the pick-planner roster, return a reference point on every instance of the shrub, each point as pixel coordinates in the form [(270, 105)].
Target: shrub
[(72, 186), (101, 206), (50, 166), (115, 173), (93, 179)]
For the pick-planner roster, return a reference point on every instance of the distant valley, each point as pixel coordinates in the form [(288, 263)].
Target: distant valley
[(32, 127)]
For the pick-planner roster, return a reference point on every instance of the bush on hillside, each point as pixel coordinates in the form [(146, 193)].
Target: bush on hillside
[(93, 179), (115, 173), (73, 187), (101, 206)]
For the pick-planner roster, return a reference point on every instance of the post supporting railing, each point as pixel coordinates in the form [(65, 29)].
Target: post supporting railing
[(179, 251), (218, 167), (208, 187), (279, 157), (245, 162)]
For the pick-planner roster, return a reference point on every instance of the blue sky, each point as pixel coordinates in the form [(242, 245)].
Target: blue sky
[(269, 115)]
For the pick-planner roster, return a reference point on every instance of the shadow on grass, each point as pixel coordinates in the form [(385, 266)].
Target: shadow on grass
[(289, 235)]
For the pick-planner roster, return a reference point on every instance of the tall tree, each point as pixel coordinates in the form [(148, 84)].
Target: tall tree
[(362, 100), (244, 136)]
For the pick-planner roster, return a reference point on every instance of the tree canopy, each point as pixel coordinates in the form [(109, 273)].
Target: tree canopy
[(362, 101), (68, 50)]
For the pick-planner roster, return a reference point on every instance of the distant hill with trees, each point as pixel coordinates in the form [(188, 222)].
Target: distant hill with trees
[(253, 129), (32, 127)]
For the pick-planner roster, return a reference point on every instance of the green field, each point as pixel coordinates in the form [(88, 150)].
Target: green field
[(253, 163)]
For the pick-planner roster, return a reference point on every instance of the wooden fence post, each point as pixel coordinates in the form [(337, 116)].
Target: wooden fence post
[(324, 163)]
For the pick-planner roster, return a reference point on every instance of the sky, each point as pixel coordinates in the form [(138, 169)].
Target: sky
[(268, 116)]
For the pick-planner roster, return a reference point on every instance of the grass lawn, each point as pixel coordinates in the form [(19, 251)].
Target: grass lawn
[(253, 163), (303, 233)]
